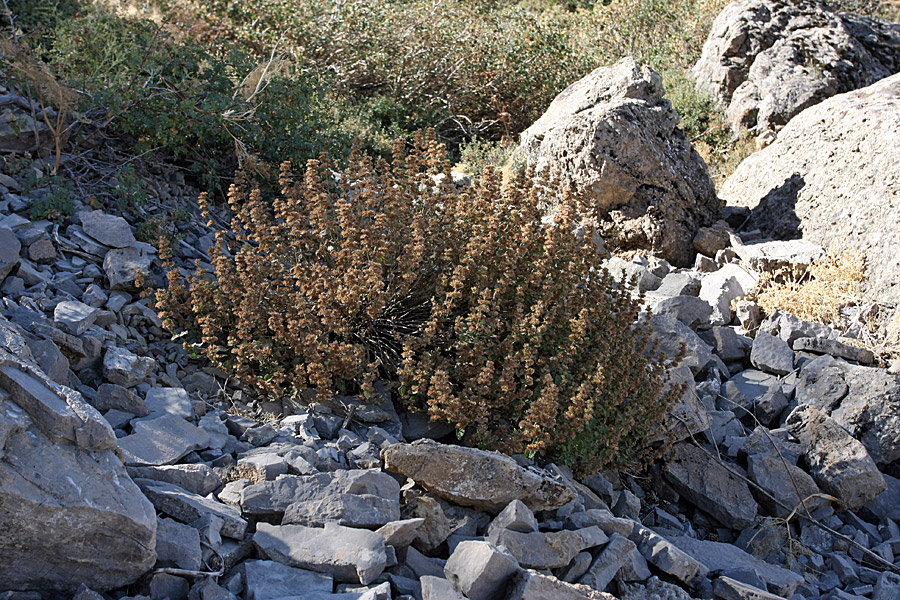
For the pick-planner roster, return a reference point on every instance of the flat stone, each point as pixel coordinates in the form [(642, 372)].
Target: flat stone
[(690, 310), (9, 251), (173, 401), (711, 487), (608, 562), (771, 354), (438, 588), (863, 400), (60, 413), (49, 358), (672, 335), (196, 478), (42, 251), (122, 265), (667, 557), (835, 348), (107, 229), (352, 510), (551, 550), (274, 497), (515, 517), (74, 317), (111, 396), (531, 585), (187, 507), (479, 570), (271, 580), (78, 518), (839, 463), (484, 480), (788, 483), (727, 588), (123, 367), (349, 555), (718, 556), (400, 533), (178, 545), (161, 441)]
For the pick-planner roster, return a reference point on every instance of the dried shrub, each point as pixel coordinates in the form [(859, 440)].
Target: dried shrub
[(818, 293), (483, 316)]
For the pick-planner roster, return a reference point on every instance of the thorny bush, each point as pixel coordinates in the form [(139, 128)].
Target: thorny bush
[(479, 311)]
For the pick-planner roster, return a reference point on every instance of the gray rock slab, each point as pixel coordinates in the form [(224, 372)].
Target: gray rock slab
[(727, 588), (667, 557), (51, 361), (78, 516), (349, 555), (835, 348), (531, 585), (552, 550), (515, 517), (608, 562), (438, 588), (886, 505), (839, 463), (109, 230), (711, 487), (271, 580), (178, 545), (122, 265), (771, 354), (161, 441), (187, 507), (484, 480), (690, 310), (400, 533), (672, 335), (479, 570), (351, 510), (195, 478), (722, 557), (9, 252), (115, 397), (274, 497), (171, 400), (74, 317), (790, 485), (61, 413), (123, 367), (863, 400)]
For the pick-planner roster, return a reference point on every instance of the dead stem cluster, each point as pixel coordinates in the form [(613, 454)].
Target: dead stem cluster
[(479, 314)]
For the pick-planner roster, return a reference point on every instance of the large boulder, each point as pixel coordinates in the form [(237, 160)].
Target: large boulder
[(863, 400), (831, 177), (767, 60), (613, 137), (72, 515), (484, 480)]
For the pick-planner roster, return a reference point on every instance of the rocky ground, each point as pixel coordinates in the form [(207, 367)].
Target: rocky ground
[(130, 468)]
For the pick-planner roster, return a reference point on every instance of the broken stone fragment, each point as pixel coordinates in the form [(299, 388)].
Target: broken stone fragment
[(460, 474)]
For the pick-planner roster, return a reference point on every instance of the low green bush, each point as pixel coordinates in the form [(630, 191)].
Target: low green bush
[(487, 319)]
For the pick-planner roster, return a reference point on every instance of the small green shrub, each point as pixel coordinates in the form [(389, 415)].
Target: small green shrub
[(210, 111), (57, 204), (489, 320), (477, 154)]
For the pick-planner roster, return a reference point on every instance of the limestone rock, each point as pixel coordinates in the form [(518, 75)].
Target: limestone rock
[(60, 496), (710, 487), (828, 179), (350, 555), (479, 570), (107, 229), (270, 580), (187, 507), (863, 400), (613, 136), (486, 481), (767, 60), (122, 265), (123, 367), (161, 441), (9, 252), (531, 585), (839, 464)]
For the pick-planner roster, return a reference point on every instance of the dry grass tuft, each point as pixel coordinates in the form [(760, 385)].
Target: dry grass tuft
[(831, 283)]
